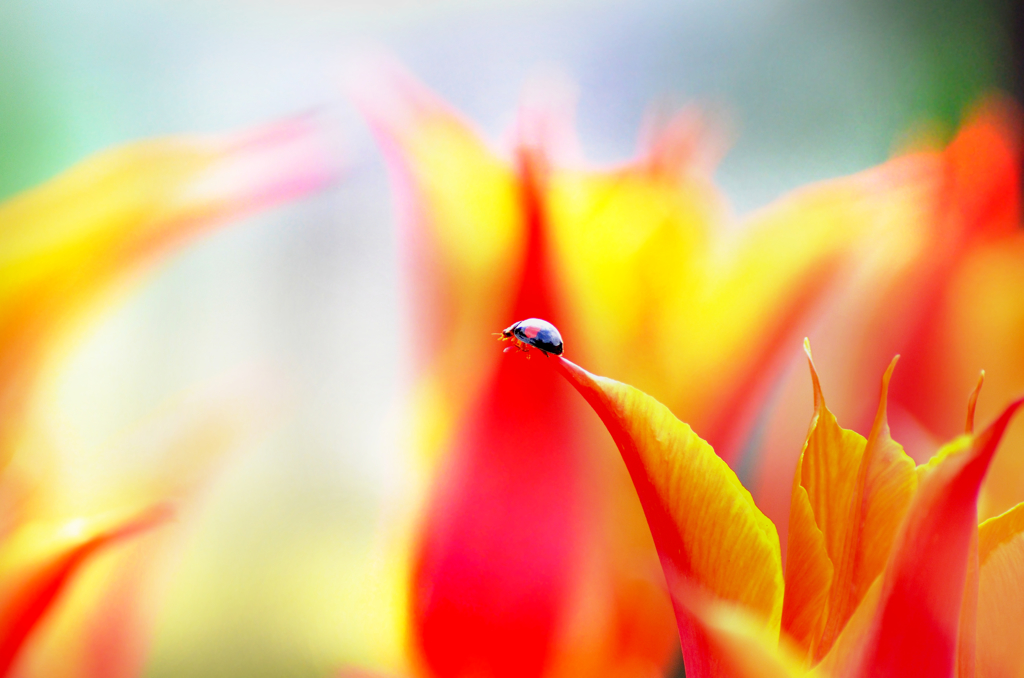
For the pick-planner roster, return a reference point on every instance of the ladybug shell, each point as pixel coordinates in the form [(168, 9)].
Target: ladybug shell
[(540, 334)]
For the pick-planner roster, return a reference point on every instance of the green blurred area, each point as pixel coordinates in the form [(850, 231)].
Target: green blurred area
[(32, 132), (966, 48)]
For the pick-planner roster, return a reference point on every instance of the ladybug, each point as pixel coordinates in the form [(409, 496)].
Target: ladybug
[(539, 334)]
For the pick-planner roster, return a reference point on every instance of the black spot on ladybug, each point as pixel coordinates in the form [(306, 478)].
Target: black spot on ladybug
[(539, 334)]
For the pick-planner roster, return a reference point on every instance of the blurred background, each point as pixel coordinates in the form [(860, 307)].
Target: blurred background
[(287, 569)]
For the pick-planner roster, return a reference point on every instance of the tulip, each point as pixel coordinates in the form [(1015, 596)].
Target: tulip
[(531, 557), (948, 299), (64, 246), (888, 572)]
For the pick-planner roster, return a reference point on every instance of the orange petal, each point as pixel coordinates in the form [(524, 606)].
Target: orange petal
[(849, 496), (1001, 595), (705, 524), (972, 404), (36, 567), (967, 633), (915, 627)]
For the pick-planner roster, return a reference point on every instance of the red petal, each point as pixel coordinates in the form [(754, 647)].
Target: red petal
[(915, 628), (494, 569)]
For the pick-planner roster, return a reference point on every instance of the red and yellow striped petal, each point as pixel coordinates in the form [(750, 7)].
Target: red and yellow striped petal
[(705, 524), (479, 229)]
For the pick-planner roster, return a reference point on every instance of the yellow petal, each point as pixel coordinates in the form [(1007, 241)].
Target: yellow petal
[(1000, 654), (63, 242), (648, 256), (705, 524)]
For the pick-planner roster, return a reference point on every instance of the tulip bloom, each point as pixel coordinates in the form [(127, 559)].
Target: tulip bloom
[(888, 572), (949, 299), (62, 245), (532, 557)]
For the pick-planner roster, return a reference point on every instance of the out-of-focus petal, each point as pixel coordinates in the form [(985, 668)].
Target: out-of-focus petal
[(63, 242), (463, 239), (705, 524), (983, 327), (506, 522), (849, 497), (520, 566), (681, 263), (914, 296), (101, 627), (742, 646), (915, 627), (102, 624), (1000, 653), (37, 564), (975, 201)]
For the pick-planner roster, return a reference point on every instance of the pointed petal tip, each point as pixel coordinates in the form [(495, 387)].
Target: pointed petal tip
[(388, 95), (881, 415), (274, 162), (994, 433), (972, 402), (819, 398)]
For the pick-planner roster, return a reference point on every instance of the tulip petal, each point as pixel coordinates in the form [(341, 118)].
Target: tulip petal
[(63, 242), (37, 567), (503, 529), (849, 496), (103, 625), (464, 236), (983, 325), (751, 288), (916, 624), (739, 641), (705, 524), (972, 404), (520, 567), (1001, 595)]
